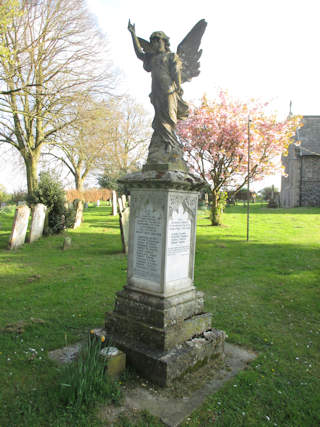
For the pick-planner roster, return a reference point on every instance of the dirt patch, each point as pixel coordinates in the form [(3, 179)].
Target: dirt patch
[(20, 326)]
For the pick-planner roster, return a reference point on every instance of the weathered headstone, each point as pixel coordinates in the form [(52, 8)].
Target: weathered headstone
[(120, 204), (206, 198), (98, 203), (124, 201), (124, 228), (3, 205), (19, 228), (86, 205), (114, 203), (66, 243), (37, 223), (79, 213)]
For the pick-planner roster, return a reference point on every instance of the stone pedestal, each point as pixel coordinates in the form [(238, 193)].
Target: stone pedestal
[(158, 319)]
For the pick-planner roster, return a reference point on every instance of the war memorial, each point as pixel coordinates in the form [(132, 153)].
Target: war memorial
[(159, 319)]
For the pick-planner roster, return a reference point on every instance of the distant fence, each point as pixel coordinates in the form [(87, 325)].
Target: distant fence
[(89, 195)]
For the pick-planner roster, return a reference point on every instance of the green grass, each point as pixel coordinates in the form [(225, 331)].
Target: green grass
[(264, 293)]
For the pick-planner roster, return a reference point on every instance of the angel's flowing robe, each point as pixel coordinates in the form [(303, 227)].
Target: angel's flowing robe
[(168, 104)]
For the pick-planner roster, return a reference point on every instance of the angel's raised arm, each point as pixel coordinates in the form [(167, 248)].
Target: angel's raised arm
[(137, 47)]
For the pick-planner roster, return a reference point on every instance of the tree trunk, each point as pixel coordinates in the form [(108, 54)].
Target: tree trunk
[(216, 209), (31, 162), (78, 179)]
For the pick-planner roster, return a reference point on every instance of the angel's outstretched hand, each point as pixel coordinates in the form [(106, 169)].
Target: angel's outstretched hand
[(131, 27)]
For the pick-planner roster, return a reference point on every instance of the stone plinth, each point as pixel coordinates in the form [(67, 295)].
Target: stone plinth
[(159, 319)]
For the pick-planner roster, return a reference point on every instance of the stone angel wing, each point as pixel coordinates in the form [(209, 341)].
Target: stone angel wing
[(146, 46), (189, 53)]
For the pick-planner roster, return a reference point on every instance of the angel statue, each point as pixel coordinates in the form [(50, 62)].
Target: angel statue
[(168, 71)]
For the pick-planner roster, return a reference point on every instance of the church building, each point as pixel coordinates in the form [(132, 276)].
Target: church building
[(301, 185)]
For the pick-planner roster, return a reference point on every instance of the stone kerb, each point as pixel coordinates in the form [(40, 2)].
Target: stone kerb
[(19, 227), (39, 212)]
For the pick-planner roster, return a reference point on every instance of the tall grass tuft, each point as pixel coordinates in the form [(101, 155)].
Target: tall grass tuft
[(85, 380)]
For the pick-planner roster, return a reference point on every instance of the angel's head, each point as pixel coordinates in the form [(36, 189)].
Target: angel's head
[(160, 42)]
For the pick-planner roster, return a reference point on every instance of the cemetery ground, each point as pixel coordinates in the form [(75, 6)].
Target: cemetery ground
[(264, 293)]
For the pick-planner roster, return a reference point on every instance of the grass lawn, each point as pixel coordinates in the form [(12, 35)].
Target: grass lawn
[(264, 293)]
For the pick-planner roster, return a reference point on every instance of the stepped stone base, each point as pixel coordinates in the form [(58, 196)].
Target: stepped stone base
[(163, 367), (163, 337)]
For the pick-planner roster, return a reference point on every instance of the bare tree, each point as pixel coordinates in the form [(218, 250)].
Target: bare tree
[(110, 135), (55, 53), (130, 132), (83, 146)]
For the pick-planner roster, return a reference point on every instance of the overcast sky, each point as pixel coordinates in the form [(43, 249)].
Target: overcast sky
[(265, 49)]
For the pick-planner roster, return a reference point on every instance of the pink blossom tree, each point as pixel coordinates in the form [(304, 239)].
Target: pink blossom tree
[(215, 140)]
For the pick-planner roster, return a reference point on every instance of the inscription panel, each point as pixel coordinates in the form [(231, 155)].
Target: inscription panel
[(178, 247), (147, 246)]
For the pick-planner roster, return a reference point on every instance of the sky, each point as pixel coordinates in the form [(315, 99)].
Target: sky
[(265, 49)]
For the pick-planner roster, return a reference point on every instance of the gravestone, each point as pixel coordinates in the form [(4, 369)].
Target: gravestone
[(78, 204), (39, 212), (98, 203), (114, 203), (124, 228), (86, 205), (66, 243), (124, 201), (19, 228), (120, 204)]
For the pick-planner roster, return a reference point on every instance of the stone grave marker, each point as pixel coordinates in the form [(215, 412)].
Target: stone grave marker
[(114, 203), (79, 213), (67, 243), (120, 204), (86, 205), (19, 227), (98, 203), (124, 228), (37, 223), (124, 201)]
